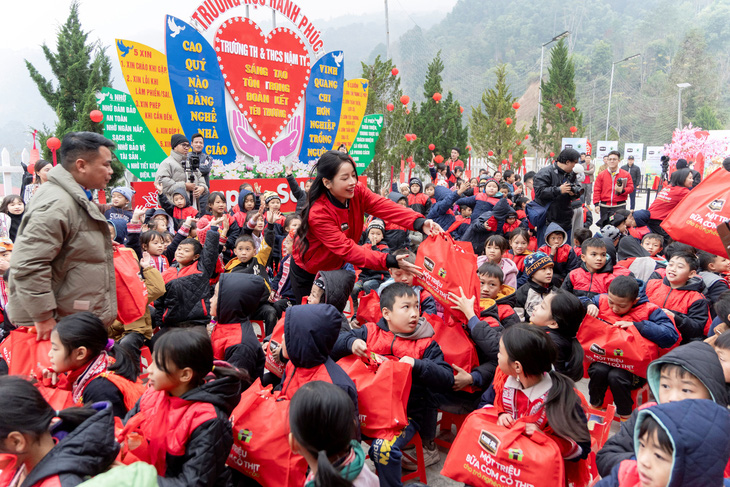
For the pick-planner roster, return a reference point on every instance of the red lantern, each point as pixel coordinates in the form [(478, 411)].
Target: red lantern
[(524, 151), (559, 106), (436, 97), (414, 137), (468, 147), (572, 108), (508, 121), (516, 106), (527, 137), (552, 154), (394, 71), (490, 153), (438, 159), (510, 151), (96, 116), (405, 99), (461, 109), (408, 137), (573, 129), (408, 111), (54, 144), (519, 142), (431, 147), (31, 168), (390, 107)]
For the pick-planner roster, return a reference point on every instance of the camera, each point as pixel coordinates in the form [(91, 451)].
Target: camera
[(193, 161), (577, 189), (665, 163)]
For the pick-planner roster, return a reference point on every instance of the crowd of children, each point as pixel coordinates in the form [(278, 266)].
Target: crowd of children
[(219, 318)]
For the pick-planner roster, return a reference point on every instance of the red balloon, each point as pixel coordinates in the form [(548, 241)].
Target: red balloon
[(552, 154), (490, 153), (461, 109), (405, 99), (516, 106), (573, 129), (394, 71), (436, 97), (559, 106), (572, 108), (96, 116), (508, 121), (390, 107), (431, 147), (53, 143), (505, 161)]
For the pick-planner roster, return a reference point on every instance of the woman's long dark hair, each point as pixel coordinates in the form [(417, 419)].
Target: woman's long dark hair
[(326, 168), (536, 352), (678, 177), (568, 312), (321, 419), (87, 330), (26, 411), (37, 168)]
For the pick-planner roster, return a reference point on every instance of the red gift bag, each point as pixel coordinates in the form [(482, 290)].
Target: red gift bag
[(23, 353), (456, 345), (261, 440), (447, 266), (145, 360), (694, 220), (368, 310), (383, 387), (274, 366), (486, 454), (131, 289), (617, 347), (59, 399)]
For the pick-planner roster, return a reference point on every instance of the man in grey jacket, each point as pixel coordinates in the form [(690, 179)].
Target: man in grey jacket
[(62, 260), (175, 173)]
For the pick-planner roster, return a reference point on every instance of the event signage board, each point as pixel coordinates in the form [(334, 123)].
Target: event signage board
[(636, 150), (363, 149), (354, 102), (603, 147), (578, 143)]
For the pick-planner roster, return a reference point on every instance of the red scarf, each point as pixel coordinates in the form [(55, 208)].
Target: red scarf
[(95, 368)]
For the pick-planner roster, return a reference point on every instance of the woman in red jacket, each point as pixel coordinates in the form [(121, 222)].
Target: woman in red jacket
[(679, 185), (332, 223)]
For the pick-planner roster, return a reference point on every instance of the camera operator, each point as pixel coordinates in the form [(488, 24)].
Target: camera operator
[(206, 162), (612, 188), (556, 185), (181, 172)]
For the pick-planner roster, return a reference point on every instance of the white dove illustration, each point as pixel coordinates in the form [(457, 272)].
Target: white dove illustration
[(174, 27), (338, 58)]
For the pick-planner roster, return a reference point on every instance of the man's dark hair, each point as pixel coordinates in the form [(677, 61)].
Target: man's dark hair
[(81, 145), (568, 155), (614, 153), (722, 307), (197, 247), (196, 135), (246, 238), (594, 242), (394, 291), (689, 258), (529, 176), (508, 173), (706, 259), (624, 287), (583, 154)]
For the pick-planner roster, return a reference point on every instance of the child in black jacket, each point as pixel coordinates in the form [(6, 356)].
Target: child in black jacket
[(370, 279)]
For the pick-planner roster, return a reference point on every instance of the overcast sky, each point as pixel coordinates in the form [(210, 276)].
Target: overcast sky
[(28, 24)]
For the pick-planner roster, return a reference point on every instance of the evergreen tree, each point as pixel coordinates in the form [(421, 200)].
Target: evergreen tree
[(694, 65), (81, 69), (438, 123), (559, 89), (384, 88), (707, 118), (489, 132)]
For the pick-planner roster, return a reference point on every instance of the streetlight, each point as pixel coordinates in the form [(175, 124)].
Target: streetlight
[(610, 89), (539, 96), (681, 86)]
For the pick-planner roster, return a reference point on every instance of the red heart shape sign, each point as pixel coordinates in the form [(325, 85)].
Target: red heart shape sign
[(265, 74)]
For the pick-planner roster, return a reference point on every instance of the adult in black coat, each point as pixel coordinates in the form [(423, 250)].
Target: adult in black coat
[(552, 186), (635, 173)]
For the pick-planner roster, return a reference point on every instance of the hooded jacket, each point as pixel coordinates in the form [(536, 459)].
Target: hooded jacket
[(586, 284), (418, 202), (480, 202), (178, 215), (310, 334), (368, 274), (528, 297), (62, 259), (700, 360), (648, 318), (441, 212), (715, 285), (338, 286), (334, 230), (697, 429), (506, 300), (485, 332), (192, 432), (239, 212), (564, 257), (234, 339), (690, 308), (85, 451), (187, 296)]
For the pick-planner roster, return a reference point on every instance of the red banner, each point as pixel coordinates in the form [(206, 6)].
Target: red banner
[(146, 194)]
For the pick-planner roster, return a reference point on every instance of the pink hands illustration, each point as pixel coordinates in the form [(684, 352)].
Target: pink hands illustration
[(246, 141), (288, 144)]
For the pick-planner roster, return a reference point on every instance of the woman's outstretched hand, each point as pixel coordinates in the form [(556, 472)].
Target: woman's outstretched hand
[(430, 227), (408, 267)]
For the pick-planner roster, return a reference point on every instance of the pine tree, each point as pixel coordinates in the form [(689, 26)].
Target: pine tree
[(81, 69), (438, 123), (707, 118), (489, 132), (384, 88), (559, 89)]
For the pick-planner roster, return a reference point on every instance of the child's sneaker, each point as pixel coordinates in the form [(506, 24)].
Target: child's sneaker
[(430, 457)]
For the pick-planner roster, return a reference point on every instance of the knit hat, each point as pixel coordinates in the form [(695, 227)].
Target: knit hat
[(271, 195), (483, 178), (642, 217), (7, 245), (124, 191), (610, 232), (536, 261), (178, 139), (319, 282), (377, 224), (417, 181), (616, 219)]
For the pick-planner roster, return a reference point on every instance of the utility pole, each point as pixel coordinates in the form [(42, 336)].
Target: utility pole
[(387, 32)]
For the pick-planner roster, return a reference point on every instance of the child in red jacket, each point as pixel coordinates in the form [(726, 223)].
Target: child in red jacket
[(560, 251), (595, 273)]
